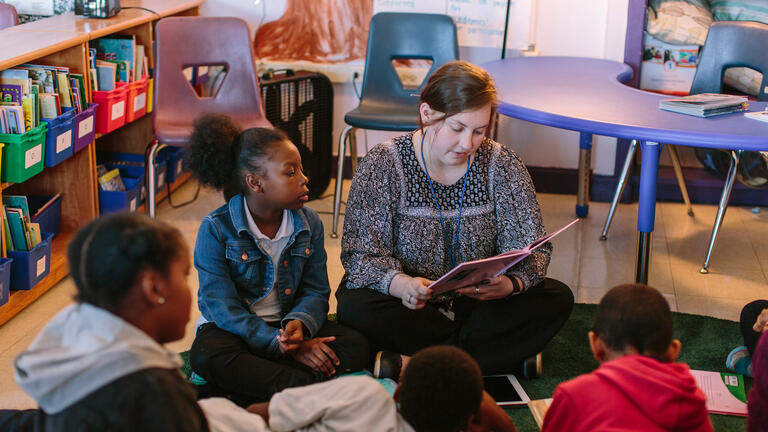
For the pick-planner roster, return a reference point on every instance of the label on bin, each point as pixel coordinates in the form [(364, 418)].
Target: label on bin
[(33, 156), (139, 102), (86, 127), (118, 110), (63, 141), (160, 180), (178, 166), (40, 266), (132, 205)]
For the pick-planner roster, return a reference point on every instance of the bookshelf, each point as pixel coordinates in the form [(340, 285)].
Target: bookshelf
[(62, 40)]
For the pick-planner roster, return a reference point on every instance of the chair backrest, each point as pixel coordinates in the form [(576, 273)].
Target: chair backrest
[(183, 42), (8, 16), (732, 44), (404, 36)]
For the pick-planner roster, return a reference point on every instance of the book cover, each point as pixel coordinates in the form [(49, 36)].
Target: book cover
[(81, 90), (10, 93), (29, 116), (34, 234), (65, 95), (479, 272), (121, 48), (111, 181), (725, 392), (539, 408), (17, 201), (16, 224), (8, 244), (106, 75), (704, 104)]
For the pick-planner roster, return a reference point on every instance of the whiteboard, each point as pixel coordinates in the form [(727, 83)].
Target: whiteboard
[(480, 23)]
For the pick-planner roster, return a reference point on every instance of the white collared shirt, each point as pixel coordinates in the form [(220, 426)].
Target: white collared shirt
[(268, 308)]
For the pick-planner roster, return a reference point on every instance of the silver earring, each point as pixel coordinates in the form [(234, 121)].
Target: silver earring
[(161, 300)]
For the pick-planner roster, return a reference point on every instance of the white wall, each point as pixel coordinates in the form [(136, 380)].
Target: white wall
[(588, 28)]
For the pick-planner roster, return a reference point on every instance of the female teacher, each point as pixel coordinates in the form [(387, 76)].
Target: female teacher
[(428, 200)]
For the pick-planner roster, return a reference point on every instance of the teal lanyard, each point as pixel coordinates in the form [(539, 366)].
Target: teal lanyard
[(455, 248)]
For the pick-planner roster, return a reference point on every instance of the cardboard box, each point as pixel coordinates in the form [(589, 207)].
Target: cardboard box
[(668, 68)]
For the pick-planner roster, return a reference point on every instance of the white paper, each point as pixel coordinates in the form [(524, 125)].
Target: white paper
[(139, 102), (86, 127), (118, 110), (63, 141), (32, 7), (33, 156), (40, 266), (719, 398)]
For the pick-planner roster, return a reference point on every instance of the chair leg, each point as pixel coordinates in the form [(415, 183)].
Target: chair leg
[(155, 147), (729, 180), (619, 187), (353, 150), (680, 180), (339, 179)]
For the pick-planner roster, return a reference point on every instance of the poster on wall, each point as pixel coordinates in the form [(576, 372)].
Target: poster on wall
[(480, 23)]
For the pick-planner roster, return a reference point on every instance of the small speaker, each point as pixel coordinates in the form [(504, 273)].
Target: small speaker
[(97, 8)]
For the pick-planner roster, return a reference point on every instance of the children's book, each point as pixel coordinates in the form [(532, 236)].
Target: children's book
[(111, 181), (120, 48), (17, 201), (704, 104), (18, 232), (7, 232), (34, 234), (539, 408), (479, 272), (10, 93), (725, 392)]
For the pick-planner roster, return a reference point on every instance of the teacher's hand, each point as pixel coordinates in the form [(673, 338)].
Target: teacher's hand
[(412, 291), (496, 288)]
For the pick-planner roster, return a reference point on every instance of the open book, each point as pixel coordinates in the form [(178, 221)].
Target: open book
[(725, 392), (479, 272)]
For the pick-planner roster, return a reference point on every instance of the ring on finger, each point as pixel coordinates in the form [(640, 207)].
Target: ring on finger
[(477, 290)]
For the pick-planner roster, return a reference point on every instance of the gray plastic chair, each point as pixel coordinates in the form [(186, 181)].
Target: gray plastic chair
[(8, 16), (384, 104), (729, 44), (183, 42)]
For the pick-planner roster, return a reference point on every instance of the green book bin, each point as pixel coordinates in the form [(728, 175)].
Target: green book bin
[(23, 154)]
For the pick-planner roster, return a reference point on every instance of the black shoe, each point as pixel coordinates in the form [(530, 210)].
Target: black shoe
[(532, 366), (387, 365)]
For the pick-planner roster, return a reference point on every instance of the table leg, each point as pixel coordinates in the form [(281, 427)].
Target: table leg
[(646, 208), (585, 160)]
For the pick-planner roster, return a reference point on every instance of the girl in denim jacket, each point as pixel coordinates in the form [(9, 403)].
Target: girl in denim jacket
[(261, 263)]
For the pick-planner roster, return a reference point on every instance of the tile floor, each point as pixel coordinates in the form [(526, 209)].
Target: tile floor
[(739, 267)]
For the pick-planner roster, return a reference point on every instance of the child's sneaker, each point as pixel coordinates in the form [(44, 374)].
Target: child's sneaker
[(739, 361), (197, 380)]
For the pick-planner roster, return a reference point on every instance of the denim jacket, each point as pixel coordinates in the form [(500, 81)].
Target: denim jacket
[(235, 272)]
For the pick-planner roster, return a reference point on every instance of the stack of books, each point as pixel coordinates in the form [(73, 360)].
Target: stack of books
[(705, 104), (30, 93), (116, 59)]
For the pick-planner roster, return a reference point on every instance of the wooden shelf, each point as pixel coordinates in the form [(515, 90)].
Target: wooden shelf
[(62, 40), (59, 270)]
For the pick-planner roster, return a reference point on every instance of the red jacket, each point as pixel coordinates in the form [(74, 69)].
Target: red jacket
[(631, 393)]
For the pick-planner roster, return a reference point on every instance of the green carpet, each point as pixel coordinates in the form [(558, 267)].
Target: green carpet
[(706, 344)]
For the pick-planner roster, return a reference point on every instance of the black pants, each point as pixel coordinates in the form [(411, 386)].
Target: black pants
[(499, 334), (749, 315), (233, 370)]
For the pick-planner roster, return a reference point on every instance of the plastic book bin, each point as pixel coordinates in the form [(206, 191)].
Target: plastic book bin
[(85, 127), (30, 267), (23, 154), (5, 280), (137, 99), (133, 164), (110, 113), (50, 218), (129, 200), (58, 140), (175, 160)]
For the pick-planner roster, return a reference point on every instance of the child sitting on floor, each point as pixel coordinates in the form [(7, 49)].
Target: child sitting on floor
[(757, 403), (441, 389), (637, 387)]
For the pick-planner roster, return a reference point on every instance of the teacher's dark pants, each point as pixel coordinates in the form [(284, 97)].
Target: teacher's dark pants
[(245, 376), (749, 315), (499, 334)]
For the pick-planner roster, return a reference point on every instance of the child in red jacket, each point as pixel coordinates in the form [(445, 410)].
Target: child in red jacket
[(637, 387)]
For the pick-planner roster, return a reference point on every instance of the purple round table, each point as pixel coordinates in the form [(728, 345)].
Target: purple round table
[(587, 95)]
